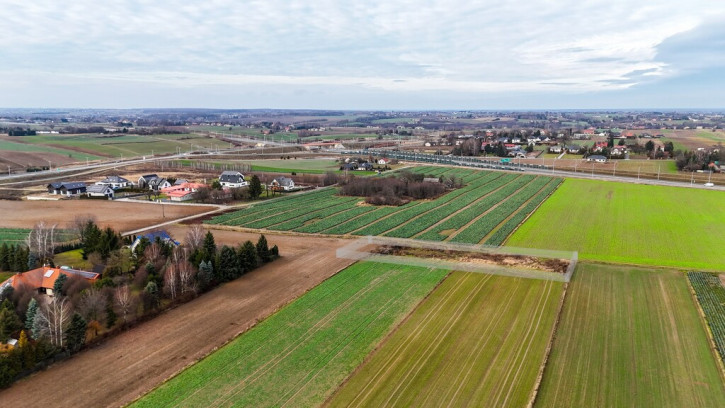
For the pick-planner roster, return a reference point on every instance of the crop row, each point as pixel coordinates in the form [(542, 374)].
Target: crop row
[(363, 220), (339, 218), (259, 212), (484, 225), (297, 222), (420, 224), (711, 295), (407, 212), (499, 236), (300, 211), (274, 205), (478, 207)]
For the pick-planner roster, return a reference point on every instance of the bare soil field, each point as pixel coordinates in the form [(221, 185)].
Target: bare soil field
[(122, 216), (136, 361), (17, 161)]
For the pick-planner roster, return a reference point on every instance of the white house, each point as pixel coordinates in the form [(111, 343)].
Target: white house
[(597, 158), (284, 183), (115, 182), (232, 179), (99, 190)]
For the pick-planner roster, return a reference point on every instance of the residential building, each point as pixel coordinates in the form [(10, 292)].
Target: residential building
[(232, 179), (42, 279), (67, 188)]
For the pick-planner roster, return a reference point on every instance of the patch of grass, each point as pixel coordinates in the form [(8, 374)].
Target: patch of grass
[(5, 276), (630, 337), (299, 355), (630, 223), (74, 259), (478, 340)]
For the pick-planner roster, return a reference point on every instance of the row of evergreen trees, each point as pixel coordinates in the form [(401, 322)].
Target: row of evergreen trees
[(14, 258)]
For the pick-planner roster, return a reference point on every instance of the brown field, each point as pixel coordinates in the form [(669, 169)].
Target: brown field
[(17, 161), (132, 363), (122, 216)]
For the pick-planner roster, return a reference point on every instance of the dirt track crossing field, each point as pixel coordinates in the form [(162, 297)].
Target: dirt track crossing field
[(477, 340), (124, 367)]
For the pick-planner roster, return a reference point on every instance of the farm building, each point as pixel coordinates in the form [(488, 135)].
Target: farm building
[(152, 236), (232, 179), (282, 183), (597, 158), (67, 188), (100, 190), (115, 182), (43, 279)]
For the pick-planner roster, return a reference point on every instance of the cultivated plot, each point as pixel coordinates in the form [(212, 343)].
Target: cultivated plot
[(477, 340), (299, 355), (485, 210), (630, 223), (630, 337)]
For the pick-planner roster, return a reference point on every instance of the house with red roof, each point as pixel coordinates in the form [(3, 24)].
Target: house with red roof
[(42, 279), (183, 191)]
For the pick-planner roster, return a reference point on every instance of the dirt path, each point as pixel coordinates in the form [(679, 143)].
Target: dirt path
[(129, 365)]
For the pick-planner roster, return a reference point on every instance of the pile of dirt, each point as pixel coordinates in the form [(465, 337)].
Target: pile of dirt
[(507, 260)]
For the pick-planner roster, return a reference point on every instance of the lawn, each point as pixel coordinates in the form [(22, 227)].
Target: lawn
[(630, 223), (630, 337), (298, 356), (477, 340), (313, 166), (6, 145), (74, 259)]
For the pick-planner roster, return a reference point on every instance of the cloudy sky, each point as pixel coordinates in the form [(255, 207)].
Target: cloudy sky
[(370, 54)]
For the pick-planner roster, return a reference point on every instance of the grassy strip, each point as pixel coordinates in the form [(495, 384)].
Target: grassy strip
[(299, 355), (331, 221)]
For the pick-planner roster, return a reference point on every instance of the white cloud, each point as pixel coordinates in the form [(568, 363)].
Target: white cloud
[(392, 46)]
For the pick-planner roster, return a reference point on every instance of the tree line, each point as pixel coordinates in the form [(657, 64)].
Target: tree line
[(135, 285), (392, 190)]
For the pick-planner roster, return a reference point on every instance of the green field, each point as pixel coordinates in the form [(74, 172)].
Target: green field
[(630, 337), (312, 166), (13, 235), (630, 223), (485, 210), (477, 340), (298, 356), (117, 145)]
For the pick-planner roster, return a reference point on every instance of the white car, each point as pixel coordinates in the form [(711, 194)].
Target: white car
[(709, 185)]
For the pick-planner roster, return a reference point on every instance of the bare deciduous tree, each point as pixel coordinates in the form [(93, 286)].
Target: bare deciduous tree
[(41, 240), (79, 224), (186, 277), (92, 305), (152, 253), (123, 300), (53, 318), (195, 237), (171, 280)]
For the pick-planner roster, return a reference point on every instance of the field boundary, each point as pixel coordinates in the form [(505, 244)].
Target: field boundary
[(354, 251), (708, 331)]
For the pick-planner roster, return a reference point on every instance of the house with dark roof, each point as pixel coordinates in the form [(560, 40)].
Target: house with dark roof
[(115, 182), (282, 183), (67, 188), (143, 181), (43, 279), (152, 236), (573, 148), (158, 183), (100, 190), (232, 179)]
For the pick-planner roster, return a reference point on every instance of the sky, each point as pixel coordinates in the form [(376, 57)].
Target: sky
[(365, 54)]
